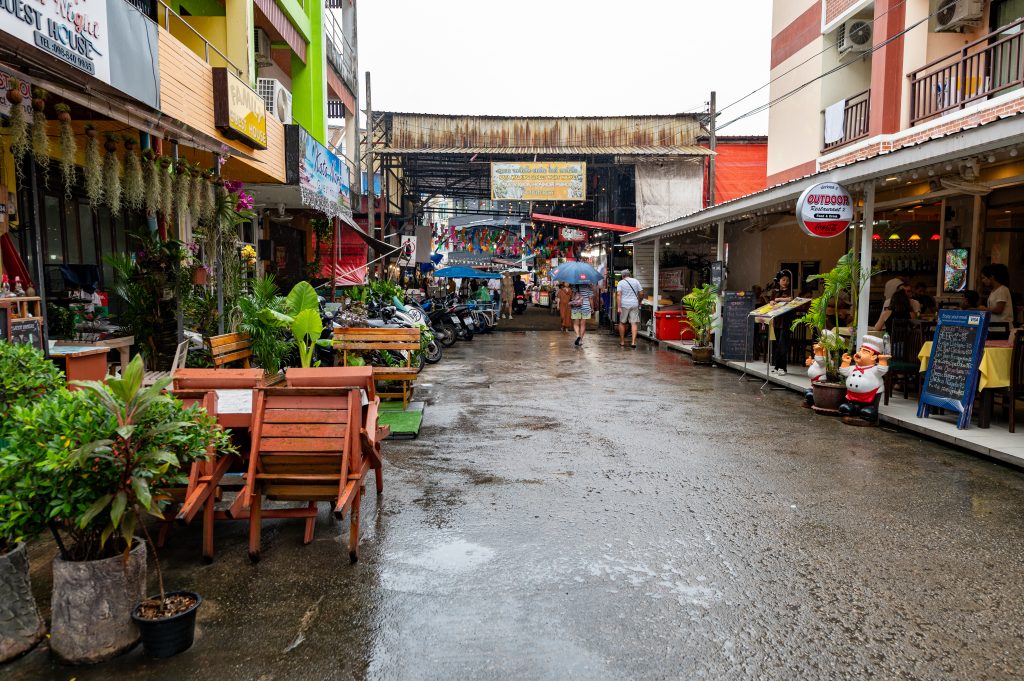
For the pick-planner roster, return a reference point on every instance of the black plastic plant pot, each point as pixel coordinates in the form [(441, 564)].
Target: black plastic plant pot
[(170, 636)]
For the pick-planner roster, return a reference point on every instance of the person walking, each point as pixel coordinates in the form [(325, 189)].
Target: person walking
[(631, 294), (564, 296), (507, 296), (580, 305)]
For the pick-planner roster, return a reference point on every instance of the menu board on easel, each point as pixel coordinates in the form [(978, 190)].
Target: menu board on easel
[(952, 377), (737, 325)]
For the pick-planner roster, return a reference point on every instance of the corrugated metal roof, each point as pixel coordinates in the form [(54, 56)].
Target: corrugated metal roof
[(686, 150)]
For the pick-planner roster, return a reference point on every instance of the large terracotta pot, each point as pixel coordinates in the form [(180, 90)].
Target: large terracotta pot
[(828, 397), (92, 606), (21, 627)]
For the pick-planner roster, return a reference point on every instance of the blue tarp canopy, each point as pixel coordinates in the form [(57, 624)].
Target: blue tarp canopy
[(463, 272)]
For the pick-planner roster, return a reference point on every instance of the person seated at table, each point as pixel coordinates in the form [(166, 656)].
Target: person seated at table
[(996, 277), (899, 308), (927, 302), (896, 284), (970, 300)]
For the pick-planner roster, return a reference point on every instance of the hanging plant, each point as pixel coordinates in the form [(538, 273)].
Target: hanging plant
[(20, 142), (93, 168), (40, 140), (112, 175), (196, 190), (182, 188), (166, 188), (134, 185), (151, 172), (209, 198), (68, 148)]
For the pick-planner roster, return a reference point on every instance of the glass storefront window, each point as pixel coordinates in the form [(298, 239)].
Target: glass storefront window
[(54, 241), (88, 233), (74, 240)]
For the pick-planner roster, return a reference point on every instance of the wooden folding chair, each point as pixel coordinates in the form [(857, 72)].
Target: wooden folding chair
[(306, 448), (203, 487)]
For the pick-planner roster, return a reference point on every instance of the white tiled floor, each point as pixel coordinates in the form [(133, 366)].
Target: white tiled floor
[(996, 441)]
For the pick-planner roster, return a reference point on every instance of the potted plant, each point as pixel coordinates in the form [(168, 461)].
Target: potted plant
[(302, 318), (700, 306), (98, 459), (269, 343), (25, 376), (841, 284)]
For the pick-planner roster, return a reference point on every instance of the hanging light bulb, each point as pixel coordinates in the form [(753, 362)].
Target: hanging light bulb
[(894, 237), (914, 237), (936, 237), (876, 237)]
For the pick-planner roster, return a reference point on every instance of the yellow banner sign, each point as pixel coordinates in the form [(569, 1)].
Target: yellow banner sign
[(541, 181), (238, 110)]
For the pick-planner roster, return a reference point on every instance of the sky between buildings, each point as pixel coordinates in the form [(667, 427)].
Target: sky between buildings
[(567, 57)]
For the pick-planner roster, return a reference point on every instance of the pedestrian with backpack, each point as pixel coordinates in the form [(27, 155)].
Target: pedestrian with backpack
[(631, 294)]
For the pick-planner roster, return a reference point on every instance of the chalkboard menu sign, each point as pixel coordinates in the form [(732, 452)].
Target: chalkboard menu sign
[(28, 330), (737, 325), (5, 315), (718, 274), (952, 378)]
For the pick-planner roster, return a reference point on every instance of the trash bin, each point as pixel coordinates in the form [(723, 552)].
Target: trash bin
[(669, 325)]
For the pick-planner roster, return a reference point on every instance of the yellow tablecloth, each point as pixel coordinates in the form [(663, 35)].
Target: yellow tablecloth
[(996, 364)]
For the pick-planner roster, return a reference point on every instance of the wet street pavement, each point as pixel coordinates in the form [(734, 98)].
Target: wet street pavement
[(601, 513)]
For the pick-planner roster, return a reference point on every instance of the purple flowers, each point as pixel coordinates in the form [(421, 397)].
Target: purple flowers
[(244, 201), (232, 186)]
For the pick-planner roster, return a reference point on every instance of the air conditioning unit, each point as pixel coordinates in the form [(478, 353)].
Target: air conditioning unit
[(261, 46), (277, 98), (854, 36), (956, 15)]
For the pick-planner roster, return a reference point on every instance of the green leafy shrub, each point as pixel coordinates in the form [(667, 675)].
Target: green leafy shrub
[(25, 375), (91, 462), (700, 309), (269, 343), (301, 316)]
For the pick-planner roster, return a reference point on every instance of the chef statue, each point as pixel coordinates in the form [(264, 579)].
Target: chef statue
[(815, 369), (864, 380)]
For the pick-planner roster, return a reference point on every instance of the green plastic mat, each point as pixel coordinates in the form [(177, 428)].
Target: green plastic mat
[(404, 424)]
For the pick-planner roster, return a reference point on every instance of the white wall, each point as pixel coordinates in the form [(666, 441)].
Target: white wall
[(794, 124)]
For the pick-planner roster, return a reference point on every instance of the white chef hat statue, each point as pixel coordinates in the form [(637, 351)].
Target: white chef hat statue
[(864, 379), (816, 365)]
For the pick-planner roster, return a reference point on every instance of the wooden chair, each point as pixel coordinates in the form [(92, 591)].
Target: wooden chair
[(204, 481), (906, 338), (180, 356), (405, 341), (305, 449), (230, 348), (1015, 392)]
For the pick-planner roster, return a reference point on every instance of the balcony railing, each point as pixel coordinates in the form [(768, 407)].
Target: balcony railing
[(856, 117), (340, 54), (988, 66), (173, 23)]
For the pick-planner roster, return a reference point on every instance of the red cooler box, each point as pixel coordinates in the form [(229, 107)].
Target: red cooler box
[(669, 325)]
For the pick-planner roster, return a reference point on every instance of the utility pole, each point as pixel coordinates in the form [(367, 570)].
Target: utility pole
[(712, 145), (370, 208)]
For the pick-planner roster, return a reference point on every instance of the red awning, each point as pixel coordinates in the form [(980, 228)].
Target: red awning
[(586, 224)]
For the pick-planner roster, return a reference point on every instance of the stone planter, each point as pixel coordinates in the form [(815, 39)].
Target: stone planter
[(21, 627), (828, 397), (92, 606), (702, 355)]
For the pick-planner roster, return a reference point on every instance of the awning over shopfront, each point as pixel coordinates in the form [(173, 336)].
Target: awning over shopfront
[(585, 224)]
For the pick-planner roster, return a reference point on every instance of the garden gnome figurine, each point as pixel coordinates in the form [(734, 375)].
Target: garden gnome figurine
[(864, 380)]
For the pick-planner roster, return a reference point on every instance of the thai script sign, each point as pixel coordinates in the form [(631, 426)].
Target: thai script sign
[(238, 111), (543, 181), (824, 210), (572, 234), (74, 31)]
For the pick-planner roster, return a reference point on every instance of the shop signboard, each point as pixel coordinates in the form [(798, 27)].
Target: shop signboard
[(26, 330), (539, 181), (718, 275), (322, 177), (572, 234), (670, 279), (26, 92), (824, 210), (737, 325), (951, 381), (238, 110)]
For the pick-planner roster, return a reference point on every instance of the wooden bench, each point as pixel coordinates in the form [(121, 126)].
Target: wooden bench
[(306, 448), (405, 341), (230, 348)]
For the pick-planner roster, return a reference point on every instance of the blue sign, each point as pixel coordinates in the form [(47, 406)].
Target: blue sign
[(323, 177), (952, 378)]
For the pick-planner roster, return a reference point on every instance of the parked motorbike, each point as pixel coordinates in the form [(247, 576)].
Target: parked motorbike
[(519, 303)]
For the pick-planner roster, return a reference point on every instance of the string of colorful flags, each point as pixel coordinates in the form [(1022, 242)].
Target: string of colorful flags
[(546, 242)]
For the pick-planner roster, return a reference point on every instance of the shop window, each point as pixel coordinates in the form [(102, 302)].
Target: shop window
[(54, 247), (106, 235), (72, 235), (87, 229)]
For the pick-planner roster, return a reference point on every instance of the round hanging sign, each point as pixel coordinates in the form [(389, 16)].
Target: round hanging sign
[(824, 210)]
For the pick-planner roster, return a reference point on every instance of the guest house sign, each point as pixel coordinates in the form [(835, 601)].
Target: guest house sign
[(238, 111), (74, 31), (824, 210)]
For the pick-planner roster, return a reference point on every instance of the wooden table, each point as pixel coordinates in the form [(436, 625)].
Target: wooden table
[(82, 362), (122, 344)]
